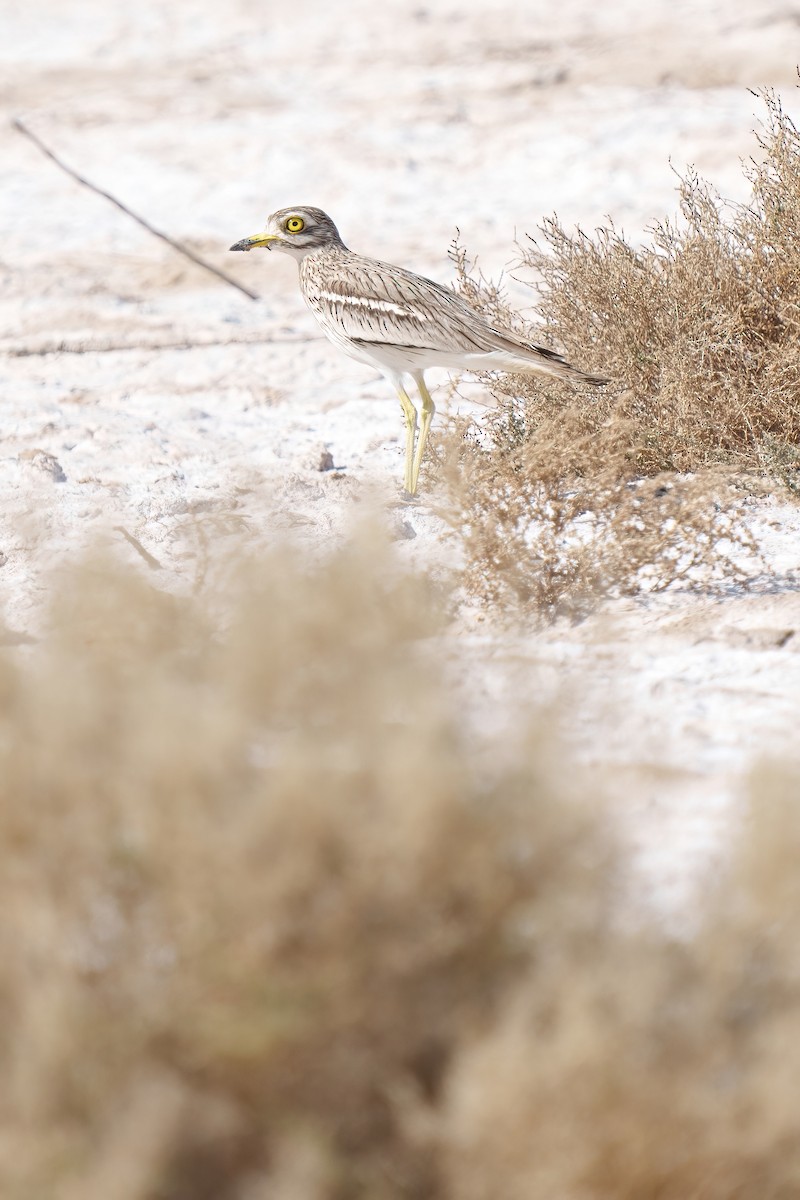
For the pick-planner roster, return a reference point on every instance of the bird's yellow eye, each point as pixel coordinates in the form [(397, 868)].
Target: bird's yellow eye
[(294, 224)]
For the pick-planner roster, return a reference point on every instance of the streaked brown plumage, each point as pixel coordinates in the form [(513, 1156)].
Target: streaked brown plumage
[(396, 321)]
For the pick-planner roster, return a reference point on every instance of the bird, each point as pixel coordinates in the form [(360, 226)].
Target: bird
[(396, 321)]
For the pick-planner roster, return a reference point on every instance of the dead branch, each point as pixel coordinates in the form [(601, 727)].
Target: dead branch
[(195, 258)]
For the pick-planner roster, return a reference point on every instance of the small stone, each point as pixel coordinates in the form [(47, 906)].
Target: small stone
[(47, 463), (325, 461), (404, 531)]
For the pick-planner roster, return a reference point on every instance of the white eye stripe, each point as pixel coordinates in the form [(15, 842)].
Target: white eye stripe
[(376, 306)]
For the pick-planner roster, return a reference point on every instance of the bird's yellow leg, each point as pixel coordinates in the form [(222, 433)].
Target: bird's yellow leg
[(410, 414), (428, 410)]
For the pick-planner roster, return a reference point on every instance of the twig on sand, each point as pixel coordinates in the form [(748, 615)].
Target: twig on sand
[(200, 262), (113, 347), (151, 561)]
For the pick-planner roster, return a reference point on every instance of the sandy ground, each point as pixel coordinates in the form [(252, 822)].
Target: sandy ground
[(146, 404)]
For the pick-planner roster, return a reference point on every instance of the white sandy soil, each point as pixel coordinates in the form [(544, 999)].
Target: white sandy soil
[(145, 403)]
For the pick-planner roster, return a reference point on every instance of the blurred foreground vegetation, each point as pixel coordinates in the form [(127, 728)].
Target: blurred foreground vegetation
[(276, 924)]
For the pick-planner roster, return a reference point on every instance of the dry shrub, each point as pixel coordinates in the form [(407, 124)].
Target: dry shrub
[(699, 335), (274, 923), (535, 537), (700, 330)]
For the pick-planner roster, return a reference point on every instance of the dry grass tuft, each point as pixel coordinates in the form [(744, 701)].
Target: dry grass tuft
[(699, 332), (274, 924)]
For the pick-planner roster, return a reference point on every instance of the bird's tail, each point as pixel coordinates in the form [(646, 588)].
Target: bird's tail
[(522, 356)]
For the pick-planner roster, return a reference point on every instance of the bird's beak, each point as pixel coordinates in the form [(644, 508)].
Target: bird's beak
[(258, 239)]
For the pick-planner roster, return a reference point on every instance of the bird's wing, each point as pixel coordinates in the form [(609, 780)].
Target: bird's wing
[(376, 301)]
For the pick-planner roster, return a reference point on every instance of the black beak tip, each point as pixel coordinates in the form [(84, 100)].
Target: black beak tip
[(240, 245)]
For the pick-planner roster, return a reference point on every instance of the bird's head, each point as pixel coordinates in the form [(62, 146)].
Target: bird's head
[(296, 231)]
